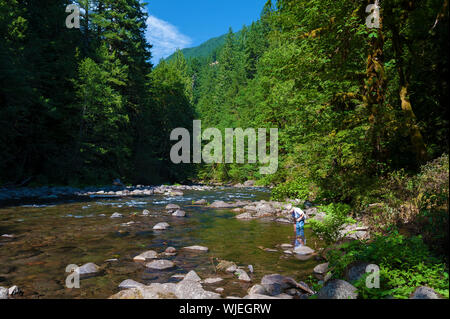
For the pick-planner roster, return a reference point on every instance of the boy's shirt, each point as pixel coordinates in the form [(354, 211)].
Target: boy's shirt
[(298, 213)]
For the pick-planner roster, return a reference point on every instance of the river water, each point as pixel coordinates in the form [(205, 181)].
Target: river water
[(48, 238)]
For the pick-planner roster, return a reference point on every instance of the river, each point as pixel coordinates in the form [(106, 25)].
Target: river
[(49, 237)]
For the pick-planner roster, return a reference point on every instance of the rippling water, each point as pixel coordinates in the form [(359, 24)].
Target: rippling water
[(48, 238)]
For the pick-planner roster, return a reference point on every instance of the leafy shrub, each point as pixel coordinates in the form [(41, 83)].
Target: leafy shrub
[(405, 264), (337, 216), (296, 189)]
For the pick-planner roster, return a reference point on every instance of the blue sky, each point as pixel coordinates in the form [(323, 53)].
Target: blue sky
[(182, 24)]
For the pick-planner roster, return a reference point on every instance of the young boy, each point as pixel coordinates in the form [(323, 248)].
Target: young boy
[(299, 217)]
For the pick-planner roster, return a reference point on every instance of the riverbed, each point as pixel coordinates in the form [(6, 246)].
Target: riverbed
[(47, 237)]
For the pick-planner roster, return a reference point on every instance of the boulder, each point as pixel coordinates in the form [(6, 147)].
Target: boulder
[(170, 250), (250, 183), (128, 284), (220, 204), (161, 226), (337, 289), (197, 248), (424, 293), (192, 275), (212, 281), (148, 255), (188, 289), (146, 212), (257, 290), (276, 284), (245, 216), (3, 293), (172, 207), (14, 290), (321, 269), (257, 296), (356, 271), (88, 269), (116, 215), (160, 265), (223, 265), (303, 250), (201, 202), (179, 213), (242, 275)]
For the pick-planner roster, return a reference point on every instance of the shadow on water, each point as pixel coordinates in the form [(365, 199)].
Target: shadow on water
[(49, 238)]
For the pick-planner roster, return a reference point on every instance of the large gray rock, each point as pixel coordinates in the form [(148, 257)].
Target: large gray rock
[(276, 284), (128, 284), (148, 255), (337, 289), (192, 275), (188, 289), (3, 293), (160, 265), (201, 202), (88, 269), (116, 215), (355, 272), (424, 293)]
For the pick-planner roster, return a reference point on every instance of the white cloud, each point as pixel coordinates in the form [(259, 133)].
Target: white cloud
[(165, 38)]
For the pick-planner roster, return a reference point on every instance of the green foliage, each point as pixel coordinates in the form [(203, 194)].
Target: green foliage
[(405, 264), (297, 189), (330, 229)]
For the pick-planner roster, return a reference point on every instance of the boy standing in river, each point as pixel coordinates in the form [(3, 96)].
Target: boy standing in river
[(299, 217)]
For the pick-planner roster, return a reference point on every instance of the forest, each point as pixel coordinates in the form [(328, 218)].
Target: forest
[(362, 112)]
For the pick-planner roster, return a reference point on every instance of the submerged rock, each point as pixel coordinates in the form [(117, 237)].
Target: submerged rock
[(179, 213), (88, 269), (160, 265), (197, 248), (245, 216), (337, 289), (116, 215), (221, 204), (226, 266), (212, 281), (172, 207), (161, 226), (148, 255), (128, 284)]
